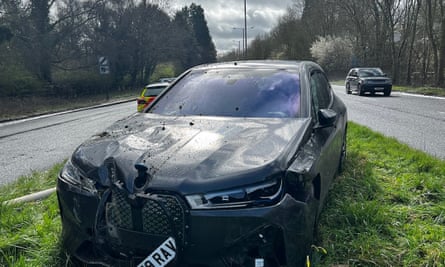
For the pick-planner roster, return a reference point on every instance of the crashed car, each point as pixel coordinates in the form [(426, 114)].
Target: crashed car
[(229, 166)]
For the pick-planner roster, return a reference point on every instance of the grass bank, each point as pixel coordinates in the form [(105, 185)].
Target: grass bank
[(422, 90), (386, 209)]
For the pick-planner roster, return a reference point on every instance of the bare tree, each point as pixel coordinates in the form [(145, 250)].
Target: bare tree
[(440, 70)]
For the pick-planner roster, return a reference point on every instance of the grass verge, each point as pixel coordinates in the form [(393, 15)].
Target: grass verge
[(386, 209), (423, 90), (29, 232)]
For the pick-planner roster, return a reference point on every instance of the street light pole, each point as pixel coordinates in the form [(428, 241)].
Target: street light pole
[(243, 42), (245, 30), (238, 52)]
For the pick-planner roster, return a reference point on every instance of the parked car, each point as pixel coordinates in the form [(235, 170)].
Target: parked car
[(149, 93), (370, 80), (229, 166)]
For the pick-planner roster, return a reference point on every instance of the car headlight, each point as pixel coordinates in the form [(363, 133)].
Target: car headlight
[(364, 81), (265, 193), (73, 176)]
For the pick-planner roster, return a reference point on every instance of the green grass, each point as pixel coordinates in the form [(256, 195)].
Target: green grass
[(29, 233), (338, 82), (423, 90), (386, 209)]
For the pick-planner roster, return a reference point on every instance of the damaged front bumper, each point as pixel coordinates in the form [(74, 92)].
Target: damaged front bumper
[(109, 228)]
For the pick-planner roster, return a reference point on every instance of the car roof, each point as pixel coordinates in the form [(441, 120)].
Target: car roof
[(366, 68), (255, 64), (164, 84)]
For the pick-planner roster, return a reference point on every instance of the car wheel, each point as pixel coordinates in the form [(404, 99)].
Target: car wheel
[(360, 90), (348, 89), (387, 92)]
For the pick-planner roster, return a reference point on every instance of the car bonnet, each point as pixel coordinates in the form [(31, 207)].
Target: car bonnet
[(192, 154)]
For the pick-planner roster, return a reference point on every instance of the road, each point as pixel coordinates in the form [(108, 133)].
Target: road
[(418, 121), (38, 143)]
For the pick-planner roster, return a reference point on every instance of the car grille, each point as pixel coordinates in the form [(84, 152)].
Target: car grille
[(119, 211), (377, 81), (161, 215)]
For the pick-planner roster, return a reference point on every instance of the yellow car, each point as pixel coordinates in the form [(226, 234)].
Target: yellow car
[(149, 94)]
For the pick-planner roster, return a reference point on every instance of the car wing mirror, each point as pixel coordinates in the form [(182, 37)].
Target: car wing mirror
[(326, 118)]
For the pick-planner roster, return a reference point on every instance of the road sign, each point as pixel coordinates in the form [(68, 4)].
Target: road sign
[(104, 66)]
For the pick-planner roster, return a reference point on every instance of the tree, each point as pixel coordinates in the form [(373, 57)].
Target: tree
[(291, 39), (5, 34), (332, 53), (404, 37), (202, 35), (194, 36), (187, 52), (261, 47), (135, 37)]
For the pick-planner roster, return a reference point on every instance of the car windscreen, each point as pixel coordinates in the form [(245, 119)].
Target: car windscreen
[(370, 73), (154, 91), (233, 92)]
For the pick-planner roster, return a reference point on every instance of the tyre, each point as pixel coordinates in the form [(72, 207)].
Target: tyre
[(387, 92), (360, 90), (348, 89)]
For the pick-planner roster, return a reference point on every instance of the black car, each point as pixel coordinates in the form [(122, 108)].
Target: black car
[(229, 166), (370, 80)]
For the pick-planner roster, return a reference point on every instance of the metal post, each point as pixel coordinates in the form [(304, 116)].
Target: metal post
[(245, 30), (243, 41)]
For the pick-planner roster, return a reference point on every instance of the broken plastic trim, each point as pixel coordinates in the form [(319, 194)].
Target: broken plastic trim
[(260, 194)]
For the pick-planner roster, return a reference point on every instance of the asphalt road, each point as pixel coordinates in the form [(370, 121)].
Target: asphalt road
[(418, 121), (38, 143)]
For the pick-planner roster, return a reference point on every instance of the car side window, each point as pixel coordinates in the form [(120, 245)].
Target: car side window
[(320, 92)]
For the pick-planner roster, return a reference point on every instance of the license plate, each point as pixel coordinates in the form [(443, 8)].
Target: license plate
[(164, 254)]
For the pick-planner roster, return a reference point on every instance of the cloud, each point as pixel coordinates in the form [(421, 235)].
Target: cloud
[(224, 15)]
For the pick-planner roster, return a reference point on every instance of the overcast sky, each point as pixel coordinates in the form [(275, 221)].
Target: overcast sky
[(224, 15)]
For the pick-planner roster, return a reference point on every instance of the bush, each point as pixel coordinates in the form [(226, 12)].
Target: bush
[(18, 82), (332, 53), (81, 83), (163, 70)]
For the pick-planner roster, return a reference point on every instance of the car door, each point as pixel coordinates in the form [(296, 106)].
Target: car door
[(329, 138)]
